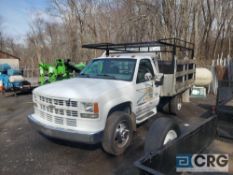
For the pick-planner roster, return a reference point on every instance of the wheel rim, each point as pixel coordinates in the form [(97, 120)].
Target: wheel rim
[(121, 135), (179, 106), (171, 135)]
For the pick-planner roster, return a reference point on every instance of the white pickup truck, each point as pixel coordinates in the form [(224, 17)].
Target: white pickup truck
[(114, 93)]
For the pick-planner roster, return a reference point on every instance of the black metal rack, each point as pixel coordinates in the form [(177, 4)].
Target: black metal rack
[(166, 45)]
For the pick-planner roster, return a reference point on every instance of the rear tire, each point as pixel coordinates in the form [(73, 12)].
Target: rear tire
[(162, 131), (118, 133), (175, 104)]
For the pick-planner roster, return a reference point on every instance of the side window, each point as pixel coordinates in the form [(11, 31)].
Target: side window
[(144, 67)]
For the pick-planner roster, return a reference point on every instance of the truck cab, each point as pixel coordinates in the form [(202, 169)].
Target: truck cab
[(136, 74), (112, 94)]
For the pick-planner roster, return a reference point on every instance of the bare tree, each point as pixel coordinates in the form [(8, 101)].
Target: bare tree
[(207, 23)]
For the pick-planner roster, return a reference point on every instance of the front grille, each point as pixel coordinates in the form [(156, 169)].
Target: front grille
[(71, 122), (57, 102), (43, 115), (58, 120), (57, 111), (72, 113), (44, 99), (49, 117), (72, 103)]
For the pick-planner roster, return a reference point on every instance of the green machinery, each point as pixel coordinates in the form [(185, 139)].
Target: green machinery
[(63, 69)]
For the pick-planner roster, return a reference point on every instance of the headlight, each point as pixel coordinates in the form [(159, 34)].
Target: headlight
[(90, 110), (90, 107)]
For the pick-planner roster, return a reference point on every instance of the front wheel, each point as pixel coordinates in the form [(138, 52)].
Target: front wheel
[(118, 133)]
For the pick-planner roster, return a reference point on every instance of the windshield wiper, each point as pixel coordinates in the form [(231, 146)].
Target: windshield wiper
[(106, 75)]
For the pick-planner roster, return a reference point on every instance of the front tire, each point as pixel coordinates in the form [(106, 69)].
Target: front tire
[(118, 133)]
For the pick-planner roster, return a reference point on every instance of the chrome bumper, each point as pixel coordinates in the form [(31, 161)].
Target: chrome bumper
[(65, 134)]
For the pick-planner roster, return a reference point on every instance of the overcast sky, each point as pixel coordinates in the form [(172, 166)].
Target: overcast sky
[(17, 15)]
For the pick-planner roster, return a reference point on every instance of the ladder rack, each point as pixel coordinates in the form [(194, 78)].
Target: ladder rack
[(161, 45)]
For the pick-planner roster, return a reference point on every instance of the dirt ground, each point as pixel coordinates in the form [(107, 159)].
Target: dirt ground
[(24, 151)]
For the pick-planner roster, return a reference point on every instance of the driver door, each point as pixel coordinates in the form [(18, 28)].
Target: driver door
[(145, 91)]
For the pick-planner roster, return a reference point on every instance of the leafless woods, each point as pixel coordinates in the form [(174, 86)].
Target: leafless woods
[(71, 23)]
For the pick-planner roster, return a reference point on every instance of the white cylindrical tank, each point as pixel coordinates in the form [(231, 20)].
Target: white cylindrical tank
[(203, 77)]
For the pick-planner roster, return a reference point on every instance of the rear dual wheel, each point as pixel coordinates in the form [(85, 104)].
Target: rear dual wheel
[(175, 104)]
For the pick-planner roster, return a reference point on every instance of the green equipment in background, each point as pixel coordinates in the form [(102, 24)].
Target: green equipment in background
[(63, 69), (80, 66)]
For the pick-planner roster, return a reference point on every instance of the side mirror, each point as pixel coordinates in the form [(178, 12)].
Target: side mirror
[(148, 76), (159, 79)]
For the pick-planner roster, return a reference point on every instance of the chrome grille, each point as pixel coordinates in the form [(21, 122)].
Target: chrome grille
[(42, 114), (58, 120), (58, 102), (72, 103), (52, 110), (72, 113), (57, 111), (71, 122), (44, 99), (49, 109), (49, 117)]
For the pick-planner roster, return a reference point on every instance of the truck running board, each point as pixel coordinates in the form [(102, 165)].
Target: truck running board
[(141, 118)]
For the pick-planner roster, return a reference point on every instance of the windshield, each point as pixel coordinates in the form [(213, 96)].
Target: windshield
[(110, 68)]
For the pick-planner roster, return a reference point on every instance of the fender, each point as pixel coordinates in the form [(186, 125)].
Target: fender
[(117, 102)]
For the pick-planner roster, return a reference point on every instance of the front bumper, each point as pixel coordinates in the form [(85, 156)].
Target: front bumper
[(65, 134)]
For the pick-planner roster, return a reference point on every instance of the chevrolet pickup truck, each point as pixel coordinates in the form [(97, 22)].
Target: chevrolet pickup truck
[(115, 92)]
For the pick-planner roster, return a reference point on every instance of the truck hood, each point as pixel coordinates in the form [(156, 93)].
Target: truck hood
[(80, 88)]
